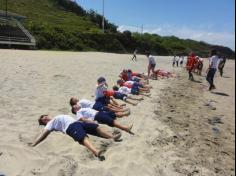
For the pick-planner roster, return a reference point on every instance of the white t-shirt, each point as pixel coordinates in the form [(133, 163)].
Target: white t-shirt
[(87, 113), (214, 60), (129, 82), (124, 90), (99, 91), (60, 123), (174, 59), (177, 58), (86, 103), (151, 60)]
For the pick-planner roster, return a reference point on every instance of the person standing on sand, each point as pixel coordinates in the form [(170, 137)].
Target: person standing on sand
[(77, 130), (190, 65), (134, 55), (221, 66), (213, 65), (181, 61), (151, 64), (174, 60)]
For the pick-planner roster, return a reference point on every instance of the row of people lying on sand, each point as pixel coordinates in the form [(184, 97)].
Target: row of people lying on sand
[(105, 110), (128, 75)]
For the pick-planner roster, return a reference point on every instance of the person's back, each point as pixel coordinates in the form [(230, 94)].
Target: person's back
[(86, 113), (84, 103), (60, 123), (214, 61), (151, 60)]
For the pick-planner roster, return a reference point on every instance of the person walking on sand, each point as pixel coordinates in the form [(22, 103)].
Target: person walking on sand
[(151, 63), (190, 65), (213, 65), (77, 130), (90, 116), (135, 55), (221, 66), (181, 61), (173, 61)]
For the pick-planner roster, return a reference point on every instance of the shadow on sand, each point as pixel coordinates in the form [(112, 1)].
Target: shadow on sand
[(197, 81), (226, 77), (220, 93)]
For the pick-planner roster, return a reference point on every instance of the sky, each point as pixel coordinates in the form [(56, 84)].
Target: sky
[(212, 21)]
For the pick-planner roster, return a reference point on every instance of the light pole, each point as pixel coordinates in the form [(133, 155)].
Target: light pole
[(103, 18)]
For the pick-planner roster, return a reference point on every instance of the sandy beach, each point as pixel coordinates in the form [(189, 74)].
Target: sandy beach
[(182, 129)]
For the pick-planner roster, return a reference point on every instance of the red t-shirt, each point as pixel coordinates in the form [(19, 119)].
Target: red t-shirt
[(109, 93), (124, 76)]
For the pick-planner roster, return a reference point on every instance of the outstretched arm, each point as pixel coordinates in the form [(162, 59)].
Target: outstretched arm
[(41, 137)]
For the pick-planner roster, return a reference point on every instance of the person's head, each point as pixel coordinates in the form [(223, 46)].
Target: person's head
[(75, 109), (115, 88), (101, 80), (73, 101), (129, 71), (44, 119), (213, 52), (120, 81)]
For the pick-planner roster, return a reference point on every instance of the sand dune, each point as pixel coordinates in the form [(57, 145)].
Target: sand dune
[(182, 129)]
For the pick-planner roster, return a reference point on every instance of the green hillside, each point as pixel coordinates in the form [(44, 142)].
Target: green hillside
[(64, 25)]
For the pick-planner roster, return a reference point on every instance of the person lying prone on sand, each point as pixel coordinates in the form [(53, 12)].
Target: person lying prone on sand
[(163, 74), (120, 96), (90, 116), (97, 105), (133, 85), (130, 91), (101, 87), (77, 130)]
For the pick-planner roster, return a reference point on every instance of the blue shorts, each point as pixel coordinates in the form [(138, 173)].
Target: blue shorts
[(79, 130), (136, 84), (120, 96), (135, 91), (103, 100), (98, 106), (106, 117), (135, 79)]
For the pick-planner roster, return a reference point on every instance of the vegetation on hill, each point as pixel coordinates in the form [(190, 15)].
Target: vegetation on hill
[(64, 25)]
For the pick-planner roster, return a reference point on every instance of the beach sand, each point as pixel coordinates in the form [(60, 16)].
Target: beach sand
[(182, 129)]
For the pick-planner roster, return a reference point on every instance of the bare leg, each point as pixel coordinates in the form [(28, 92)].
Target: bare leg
[(87, 143), (125, 128), (122, 114), (135, 98), (130, 102), (107, 135)]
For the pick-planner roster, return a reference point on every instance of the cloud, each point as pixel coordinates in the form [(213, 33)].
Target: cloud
[(217, 38)]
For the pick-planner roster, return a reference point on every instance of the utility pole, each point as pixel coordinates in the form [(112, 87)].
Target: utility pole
[(103, 18), (6, 13)]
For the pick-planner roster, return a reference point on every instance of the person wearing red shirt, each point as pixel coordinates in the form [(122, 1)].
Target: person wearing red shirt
[(190, 65)]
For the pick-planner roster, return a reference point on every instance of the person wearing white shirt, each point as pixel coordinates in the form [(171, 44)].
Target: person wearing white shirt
[(213, 65), (90, 116), (97, 105), (77, 130), (177, 61), (173, 61), (151, 64), (181, 61), (134, 55)]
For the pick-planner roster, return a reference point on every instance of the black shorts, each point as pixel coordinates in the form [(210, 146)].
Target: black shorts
[(79, 130), (120, 96), (103, 100), (152, 65), (106, 117), (98, 106)]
